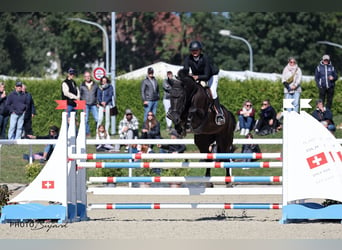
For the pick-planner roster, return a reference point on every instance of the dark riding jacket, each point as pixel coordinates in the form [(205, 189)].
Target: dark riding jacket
[(322, 73), (203, 67)]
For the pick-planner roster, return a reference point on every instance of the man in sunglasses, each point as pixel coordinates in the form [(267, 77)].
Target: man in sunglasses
[(267, 122), (325, 77)]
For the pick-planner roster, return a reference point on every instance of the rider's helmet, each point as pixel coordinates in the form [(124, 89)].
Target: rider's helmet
[(195, 45)]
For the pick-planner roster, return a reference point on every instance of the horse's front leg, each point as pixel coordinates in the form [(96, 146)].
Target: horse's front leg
[(228, 184)]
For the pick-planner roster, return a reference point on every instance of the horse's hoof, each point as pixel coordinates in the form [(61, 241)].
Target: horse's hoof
[(229, 185), (209, 185)]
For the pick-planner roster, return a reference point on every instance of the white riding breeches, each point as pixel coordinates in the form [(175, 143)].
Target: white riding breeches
[(213, 82)]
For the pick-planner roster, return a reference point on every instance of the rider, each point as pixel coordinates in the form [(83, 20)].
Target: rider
[(203, 69)]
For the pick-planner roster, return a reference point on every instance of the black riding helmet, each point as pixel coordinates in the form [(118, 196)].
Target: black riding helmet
[(195, 45)]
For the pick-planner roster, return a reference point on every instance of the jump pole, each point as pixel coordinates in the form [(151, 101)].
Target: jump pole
[(163, 156), (116, 206), (189, 179), (180, 164)]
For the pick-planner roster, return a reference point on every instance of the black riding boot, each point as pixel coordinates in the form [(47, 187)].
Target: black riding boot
[(219, 119)]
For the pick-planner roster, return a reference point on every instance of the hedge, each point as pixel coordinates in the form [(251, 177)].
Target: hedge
[(232, 94)]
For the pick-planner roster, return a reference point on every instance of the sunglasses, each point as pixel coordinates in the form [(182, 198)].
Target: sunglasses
[(150, 115), (264, 104), (248, 105)]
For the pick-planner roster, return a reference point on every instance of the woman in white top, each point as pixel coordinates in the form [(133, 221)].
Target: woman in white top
[(291, 78)]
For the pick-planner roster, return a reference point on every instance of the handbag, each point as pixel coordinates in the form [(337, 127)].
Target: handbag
[(113, 111), (291, 78)]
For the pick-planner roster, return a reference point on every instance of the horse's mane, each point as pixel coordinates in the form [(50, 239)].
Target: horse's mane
[(187, 81)]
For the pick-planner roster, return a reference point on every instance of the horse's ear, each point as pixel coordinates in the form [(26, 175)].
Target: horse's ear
[(182, 73)]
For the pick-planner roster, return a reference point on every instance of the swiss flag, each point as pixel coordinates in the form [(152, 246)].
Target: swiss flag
[(48, 184), (317, 160)]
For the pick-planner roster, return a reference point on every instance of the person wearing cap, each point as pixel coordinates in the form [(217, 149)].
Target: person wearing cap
[(128, 127), (88, 93), (105, 101), (17, 104), (291, 79), (324, 116), (70, 91), (325, 77), (203, 69), (52, 135), (150, 93)]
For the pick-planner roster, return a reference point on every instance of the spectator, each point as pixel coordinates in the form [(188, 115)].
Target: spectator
[(70, 91), (246, 117), (128, 127), (150, 93), (291, 78), (103, 135), (325, 77), (324, 116), (145, 149), (167, 85), (173, 148), (105, 101), (203, 69), (53, 134), (4, 113), (88, 92), (250, 148), (151, 128), (17, 105), (29, 114), (267, 122)]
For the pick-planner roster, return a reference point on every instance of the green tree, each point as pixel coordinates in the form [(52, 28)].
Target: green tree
[(276, 36)]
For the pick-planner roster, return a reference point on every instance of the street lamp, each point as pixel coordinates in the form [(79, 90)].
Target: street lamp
[(113, 118), (330, 43), (104, 32), (228, 33)]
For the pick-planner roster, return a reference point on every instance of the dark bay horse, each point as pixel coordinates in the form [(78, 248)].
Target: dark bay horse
[(190, 102)]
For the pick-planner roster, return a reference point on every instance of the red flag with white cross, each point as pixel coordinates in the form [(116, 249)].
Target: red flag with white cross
[(48, 184), (317, 160)]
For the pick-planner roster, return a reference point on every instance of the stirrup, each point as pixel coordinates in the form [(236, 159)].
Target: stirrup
[(220, 120)]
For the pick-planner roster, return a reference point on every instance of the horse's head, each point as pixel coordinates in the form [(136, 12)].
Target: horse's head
[(177, 101)]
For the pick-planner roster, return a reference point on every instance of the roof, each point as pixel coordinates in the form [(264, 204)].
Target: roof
[(160, 69)]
